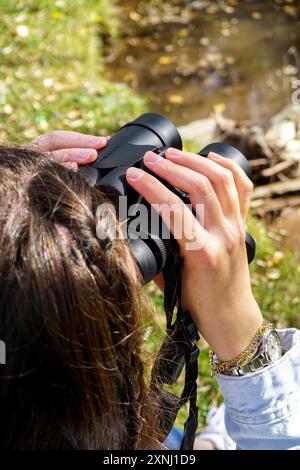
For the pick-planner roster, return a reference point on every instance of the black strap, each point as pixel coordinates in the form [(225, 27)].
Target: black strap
[(191, 374), (178, 350)]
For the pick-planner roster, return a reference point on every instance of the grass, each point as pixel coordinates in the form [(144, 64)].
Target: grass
[(51, 69), (52, 77)]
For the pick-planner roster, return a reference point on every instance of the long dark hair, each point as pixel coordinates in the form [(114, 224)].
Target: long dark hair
[(70, 307)]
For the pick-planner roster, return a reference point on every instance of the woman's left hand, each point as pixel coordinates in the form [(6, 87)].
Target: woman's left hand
[(69, 148)]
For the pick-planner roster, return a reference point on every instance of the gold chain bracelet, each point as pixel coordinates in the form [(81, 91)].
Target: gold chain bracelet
[(244, 357)]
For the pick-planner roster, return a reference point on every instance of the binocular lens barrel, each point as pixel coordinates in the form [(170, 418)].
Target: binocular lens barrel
[(160, 126)]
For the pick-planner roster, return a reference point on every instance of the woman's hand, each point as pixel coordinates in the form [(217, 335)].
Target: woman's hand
[(69, 148), (215, 277)]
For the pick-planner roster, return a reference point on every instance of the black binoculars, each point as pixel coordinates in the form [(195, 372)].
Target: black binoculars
[(125, 149)]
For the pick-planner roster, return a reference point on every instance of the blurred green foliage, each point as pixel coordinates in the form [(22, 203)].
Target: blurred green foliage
[(51, 69)]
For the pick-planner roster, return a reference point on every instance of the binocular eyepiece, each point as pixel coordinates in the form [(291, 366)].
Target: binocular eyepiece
[(152, 250)]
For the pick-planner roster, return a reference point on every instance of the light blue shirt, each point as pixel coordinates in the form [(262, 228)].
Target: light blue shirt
[(263, 408)]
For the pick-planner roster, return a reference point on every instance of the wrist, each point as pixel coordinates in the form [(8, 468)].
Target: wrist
[(264, 349), (231, 332)]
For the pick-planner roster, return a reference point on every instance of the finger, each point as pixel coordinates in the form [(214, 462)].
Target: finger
[(178, 218), (66, 139), (71, 166), (80, 156), (197, 186), (220, 177), (243, 184)]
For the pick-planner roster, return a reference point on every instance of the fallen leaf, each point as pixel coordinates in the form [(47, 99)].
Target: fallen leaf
[(219, 108), (175, 99), (204, 41), (277, 257), (211, 10), (256, 15), (226, 32), (289, 10), (134, 16), (165, 60), (229, 60)]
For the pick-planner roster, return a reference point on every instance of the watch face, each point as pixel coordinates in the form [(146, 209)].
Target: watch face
[(273, 348)]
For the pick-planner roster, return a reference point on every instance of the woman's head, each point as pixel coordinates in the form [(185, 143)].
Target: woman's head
[(69, 315)]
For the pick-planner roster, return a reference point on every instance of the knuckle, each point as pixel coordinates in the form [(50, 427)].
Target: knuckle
[(191, 155), (235, 237), (231, 242), (234, 166), (48, 137), (177, 205), (211, 258), (61, 156), (165, 166), (225, 177), (248, 186), (241, 233), (46, 141), (176, 213), (237, 170), (202, 183)]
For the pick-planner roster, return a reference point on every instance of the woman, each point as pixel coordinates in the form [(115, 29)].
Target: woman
[(70, 307), (70, 304)]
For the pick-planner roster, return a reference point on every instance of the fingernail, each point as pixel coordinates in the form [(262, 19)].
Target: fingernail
[(134, 174), (97, 142), (214, 156), (175, 152), (151, 158), (84, 154)]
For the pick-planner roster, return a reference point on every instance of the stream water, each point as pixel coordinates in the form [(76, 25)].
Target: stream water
[(194, 57)]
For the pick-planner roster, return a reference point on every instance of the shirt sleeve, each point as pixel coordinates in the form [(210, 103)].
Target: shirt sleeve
[(263, 408)]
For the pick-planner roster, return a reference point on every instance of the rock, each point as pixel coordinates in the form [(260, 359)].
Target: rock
[(291, 151), (293, 146), (281, 133), (202, 131), (290, 113)]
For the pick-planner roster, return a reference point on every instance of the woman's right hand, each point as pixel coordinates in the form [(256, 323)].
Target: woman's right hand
[(69, 148), (216, 285)]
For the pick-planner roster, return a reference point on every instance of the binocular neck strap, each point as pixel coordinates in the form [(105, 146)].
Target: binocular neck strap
[(190, 334), (183, 330)]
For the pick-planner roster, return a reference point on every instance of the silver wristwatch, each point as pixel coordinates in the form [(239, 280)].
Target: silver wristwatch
[(268, 351)]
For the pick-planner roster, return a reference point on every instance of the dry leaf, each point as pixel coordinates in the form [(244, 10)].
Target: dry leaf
[(134, 16), (175, 99), (256, 15), (289, 10), (211, 10), (165, 60), (204, 41), (219, 108)]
